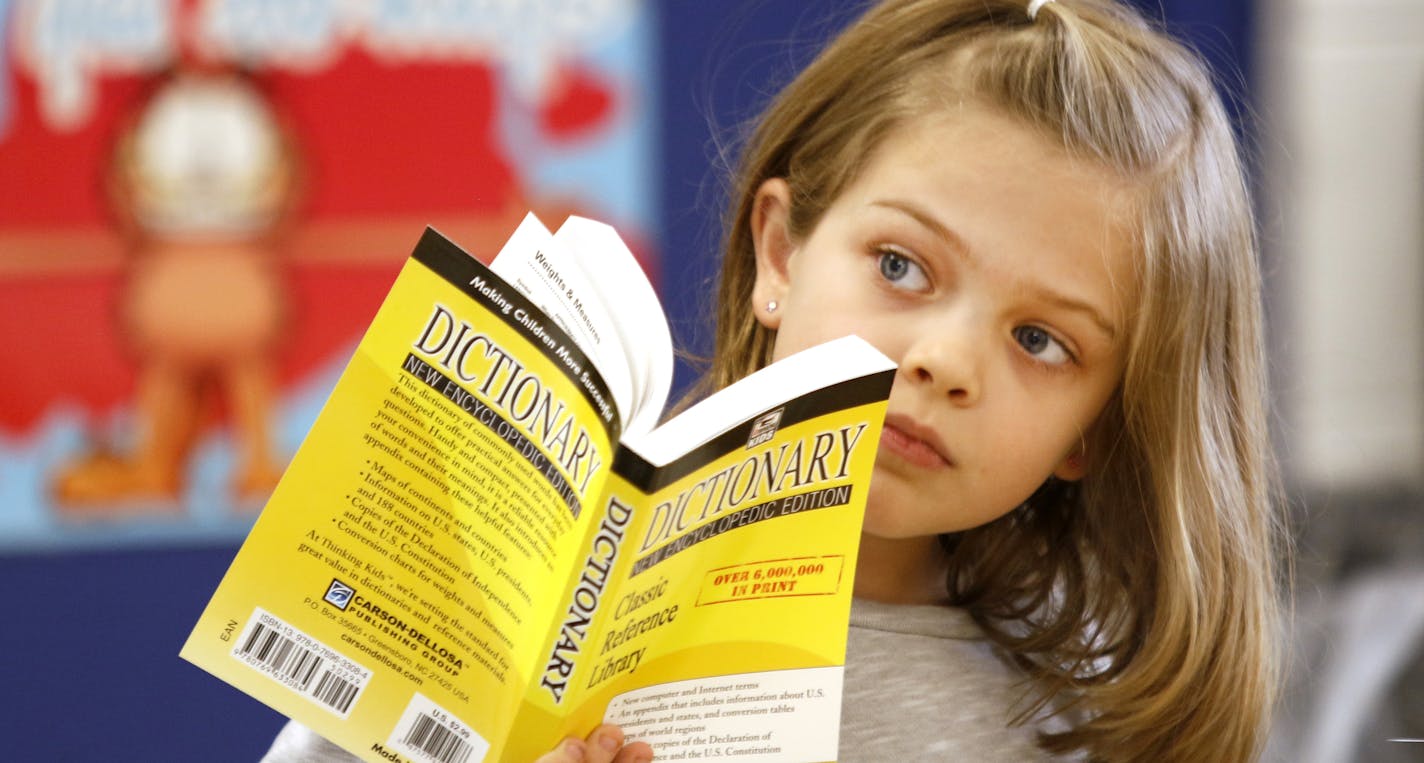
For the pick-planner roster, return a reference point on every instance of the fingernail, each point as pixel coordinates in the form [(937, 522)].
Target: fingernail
[(573, 748), (607, 742)]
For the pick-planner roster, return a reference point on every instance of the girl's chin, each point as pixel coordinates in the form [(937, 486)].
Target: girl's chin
[(893, 522), (901, 509)]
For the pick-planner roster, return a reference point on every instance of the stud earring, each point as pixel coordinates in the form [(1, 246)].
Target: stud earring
[(771, 306)]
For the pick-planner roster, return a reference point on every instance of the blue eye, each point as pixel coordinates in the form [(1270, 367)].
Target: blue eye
[(1041, 345), (901, 271)]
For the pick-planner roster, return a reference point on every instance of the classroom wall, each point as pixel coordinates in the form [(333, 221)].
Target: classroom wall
[(1342, 109)]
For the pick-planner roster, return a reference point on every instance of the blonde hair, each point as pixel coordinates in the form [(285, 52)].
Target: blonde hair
[(1149, 594)]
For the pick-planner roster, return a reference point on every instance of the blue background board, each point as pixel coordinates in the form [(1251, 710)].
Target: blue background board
[(88, 651)]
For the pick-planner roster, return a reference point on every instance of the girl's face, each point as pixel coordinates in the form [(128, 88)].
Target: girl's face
[(998, 272)]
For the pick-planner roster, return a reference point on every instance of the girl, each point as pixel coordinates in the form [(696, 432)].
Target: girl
[(1039, 211), (1070, 542)]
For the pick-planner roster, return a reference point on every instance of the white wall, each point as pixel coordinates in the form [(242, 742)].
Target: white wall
[(1342, 106)]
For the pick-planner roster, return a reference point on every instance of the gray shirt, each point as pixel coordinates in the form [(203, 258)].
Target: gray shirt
[(923, 683)]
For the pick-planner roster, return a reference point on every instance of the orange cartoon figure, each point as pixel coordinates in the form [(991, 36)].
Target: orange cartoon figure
[(201, 180)]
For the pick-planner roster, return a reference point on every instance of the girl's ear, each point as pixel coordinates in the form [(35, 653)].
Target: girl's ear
[(1074, 467), (772, 242)]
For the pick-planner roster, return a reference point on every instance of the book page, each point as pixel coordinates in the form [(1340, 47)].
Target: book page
[(723, 634), (400, 582), (575, 276), (617, 279), (811, 369)]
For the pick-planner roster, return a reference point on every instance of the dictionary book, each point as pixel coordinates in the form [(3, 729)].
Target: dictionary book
[(488, 542)]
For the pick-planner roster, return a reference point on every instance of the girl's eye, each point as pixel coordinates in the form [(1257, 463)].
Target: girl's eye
[(902, 271), (1041, 345)]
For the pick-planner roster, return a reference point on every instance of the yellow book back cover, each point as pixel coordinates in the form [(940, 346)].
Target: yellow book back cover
[(395, 590)]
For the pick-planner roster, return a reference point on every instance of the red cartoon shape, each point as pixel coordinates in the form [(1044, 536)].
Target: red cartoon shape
[(578, 102)]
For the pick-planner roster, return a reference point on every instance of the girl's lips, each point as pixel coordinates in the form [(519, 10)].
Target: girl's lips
[(913, 443)]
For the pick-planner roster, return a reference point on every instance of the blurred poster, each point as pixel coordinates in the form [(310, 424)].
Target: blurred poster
[(202, 202)]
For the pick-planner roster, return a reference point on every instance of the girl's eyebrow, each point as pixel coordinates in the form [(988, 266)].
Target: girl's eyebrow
[(952, 239), (1066, 302), (927, 220)]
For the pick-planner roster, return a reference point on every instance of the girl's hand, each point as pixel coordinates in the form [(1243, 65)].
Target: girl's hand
[(604, 745)]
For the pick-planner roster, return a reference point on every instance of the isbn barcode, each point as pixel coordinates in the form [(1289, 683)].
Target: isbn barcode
[(335, 692), (301, 662), (434, 739)]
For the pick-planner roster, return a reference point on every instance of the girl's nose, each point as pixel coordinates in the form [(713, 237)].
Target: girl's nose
[(945, 360)]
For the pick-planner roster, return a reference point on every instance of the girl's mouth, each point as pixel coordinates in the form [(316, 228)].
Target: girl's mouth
[(913, 444)]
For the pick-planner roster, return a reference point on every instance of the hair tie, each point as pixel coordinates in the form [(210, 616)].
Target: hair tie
[(1034, 5)]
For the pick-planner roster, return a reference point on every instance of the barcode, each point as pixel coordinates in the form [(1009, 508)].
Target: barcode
[(434, 739), (281, 656), (335, 692), (300, 662), (427, 731)]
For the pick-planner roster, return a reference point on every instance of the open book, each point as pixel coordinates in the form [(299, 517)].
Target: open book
[(487, 543)]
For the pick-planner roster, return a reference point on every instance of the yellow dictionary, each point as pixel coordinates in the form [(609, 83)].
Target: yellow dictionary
[(487, 543)]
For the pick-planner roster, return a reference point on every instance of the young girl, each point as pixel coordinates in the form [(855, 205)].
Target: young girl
[(1070, 542), (1039, 211)]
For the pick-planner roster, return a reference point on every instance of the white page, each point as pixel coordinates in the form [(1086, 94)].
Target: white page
[(637, 316), (533, 262), (787, 379)]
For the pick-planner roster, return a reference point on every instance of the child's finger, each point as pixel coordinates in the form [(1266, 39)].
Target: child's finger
[(604, 744), (636, 752), (570, 750)]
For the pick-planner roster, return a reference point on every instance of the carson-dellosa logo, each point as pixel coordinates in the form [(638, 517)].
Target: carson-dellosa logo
[(339, 594)]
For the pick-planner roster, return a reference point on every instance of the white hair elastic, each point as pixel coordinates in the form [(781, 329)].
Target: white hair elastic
[(1034, 5)]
